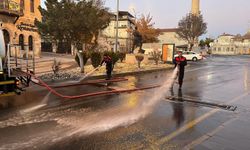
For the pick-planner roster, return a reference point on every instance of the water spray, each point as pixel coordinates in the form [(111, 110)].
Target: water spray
[(39, 106), (115, 117), (88, 74)]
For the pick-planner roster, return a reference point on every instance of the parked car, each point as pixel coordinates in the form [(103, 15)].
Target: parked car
[(190, 55)]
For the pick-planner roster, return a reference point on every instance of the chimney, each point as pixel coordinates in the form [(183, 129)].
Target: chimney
[(195, 7)]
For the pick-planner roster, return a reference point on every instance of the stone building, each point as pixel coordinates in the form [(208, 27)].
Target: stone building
[(125, 24), (18, 18), (167, 36), (227, 44)]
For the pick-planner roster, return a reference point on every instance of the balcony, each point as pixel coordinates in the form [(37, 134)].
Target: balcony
[(10, 8)]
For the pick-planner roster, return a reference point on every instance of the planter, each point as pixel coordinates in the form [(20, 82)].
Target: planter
[(130, 59)]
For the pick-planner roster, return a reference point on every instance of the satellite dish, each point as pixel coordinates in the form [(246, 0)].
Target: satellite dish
[(2, 44)]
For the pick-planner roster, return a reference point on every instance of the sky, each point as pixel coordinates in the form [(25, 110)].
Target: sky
[(222, 16)]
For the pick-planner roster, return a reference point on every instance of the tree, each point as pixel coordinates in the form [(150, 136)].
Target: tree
[(76, 22), (202, 43), (191, 28), (146, 29), (206, 42)]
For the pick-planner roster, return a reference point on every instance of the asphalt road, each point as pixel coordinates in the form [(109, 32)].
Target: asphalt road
[(151, 119)]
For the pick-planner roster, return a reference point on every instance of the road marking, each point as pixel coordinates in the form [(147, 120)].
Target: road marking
[(208, 135), (195, 122)]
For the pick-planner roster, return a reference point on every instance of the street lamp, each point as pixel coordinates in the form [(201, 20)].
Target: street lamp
[(117, 23)]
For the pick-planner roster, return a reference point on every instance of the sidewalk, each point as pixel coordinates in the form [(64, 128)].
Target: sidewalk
[(120, 69), (45, 63), (69, 69)]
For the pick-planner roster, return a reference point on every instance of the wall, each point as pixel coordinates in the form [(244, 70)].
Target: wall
[(24, 26), (229, 45), (124, 37)]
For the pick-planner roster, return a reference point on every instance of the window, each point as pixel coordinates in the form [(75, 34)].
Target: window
[(190, 53), (32, 6), (30, 43), (21, 41)]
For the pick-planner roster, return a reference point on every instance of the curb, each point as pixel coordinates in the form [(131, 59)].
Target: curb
[(116, 74), (131, 73)]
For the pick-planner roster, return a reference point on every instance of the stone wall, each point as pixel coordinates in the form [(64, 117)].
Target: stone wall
[(24, 27)]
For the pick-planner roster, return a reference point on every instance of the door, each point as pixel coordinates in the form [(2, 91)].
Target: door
[(164, 53), (2, 45), (168, 52), (6, 36)]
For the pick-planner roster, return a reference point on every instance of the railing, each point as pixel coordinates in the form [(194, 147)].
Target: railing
[(22, 60), (11, 7)]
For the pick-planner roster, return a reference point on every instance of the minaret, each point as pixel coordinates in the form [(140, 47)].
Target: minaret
[(195, 7)]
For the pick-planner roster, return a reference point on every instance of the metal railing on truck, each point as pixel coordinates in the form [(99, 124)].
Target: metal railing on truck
[(19, 63)]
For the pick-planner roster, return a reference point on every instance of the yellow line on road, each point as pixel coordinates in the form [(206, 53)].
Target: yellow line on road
[(208, 135), (194, 122)]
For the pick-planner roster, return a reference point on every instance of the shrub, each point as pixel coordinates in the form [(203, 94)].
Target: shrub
[(96, 58), (156, 55), (114, 56), (85, 56), (122, 56), (139, 58), (56, 66)]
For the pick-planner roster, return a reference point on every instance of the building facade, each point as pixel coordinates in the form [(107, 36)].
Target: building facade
[(18, 18), (167, 36), (227, 44), (125, 25), (170, 36)]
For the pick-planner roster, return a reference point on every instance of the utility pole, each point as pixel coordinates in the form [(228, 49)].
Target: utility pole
[(117, 24)]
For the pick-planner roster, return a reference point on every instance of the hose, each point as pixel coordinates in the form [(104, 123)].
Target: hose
[(42, 83)]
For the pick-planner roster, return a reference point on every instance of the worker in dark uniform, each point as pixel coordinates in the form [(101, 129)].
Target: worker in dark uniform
[(109, 65), (180, 62)]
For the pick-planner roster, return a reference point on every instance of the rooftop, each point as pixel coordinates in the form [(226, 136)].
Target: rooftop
[(168, 30), (246, 36), (226, 34), (123, 13)]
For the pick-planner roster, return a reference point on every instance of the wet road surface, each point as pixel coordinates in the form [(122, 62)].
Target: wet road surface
[(139, 120)]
